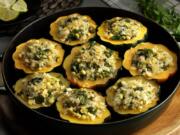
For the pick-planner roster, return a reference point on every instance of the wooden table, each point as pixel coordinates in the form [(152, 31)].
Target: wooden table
[(169, 121)]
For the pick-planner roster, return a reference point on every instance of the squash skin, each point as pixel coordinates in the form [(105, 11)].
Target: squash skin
[(110, 92), (19, 84), (19, 63), (160, 77), (73, 119), (131, 42), (54, 30), (85, 83)]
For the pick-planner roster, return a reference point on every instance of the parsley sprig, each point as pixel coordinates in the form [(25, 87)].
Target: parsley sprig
[(165, 16)]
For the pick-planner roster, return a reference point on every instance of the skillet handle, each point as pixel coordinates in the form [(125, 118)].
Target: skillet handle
[(3, 90)]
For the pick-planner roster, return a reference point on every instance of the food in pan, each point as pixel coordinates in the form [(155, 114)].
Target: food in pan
[(87, 66), (154, 61), (38, 55), (73, 29), (132, 95), (122, 31), (40, 89), (83, 106), (91, 64)]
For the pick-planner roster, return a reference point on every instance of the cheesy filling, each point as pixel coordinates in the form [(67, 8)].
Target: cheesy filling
[(94, 62), (38, 55), (122, 28), (41, 88), (83, 103), (151, 61), (75, 27), (133, 94)]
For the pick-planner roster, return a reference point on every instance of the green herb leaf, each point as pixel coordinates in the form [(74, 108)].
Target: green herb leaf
[(167, 17)]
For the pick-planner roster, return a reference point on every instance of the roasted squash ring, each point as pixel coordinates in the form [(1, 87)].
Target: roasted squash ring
[(91, 64), (132, 95), (38, 55), (82, 106), (154, 61), (73, 29), (40, 89), (122, 31)]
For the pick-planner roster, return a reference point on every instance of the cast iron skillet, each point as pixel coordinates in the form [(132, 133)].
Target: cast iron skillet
[(48, 118)]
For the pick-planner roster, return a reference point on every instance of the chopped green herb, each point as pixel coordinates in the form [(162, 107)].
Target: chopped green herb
[(138, 88), (144, 52), (75, 34), (68, 104), (36, 80), (39, 99), (92, 110), (116, 37), (41, 54), (92, 42), (108, 53)]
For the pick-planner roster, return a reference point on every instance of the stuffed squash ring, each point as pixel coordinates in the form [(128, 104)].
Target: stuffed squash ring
[(73, 29), (40, 89), (91, 64), (122, 31), (154, 61), (38, 55), (83, 106), (132, 95)]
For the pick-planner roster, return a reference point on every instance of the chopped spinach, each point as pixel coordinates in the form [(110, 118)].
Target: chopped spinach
[(108, 53), (75, 34), (138, 88), (92, 110), (36, 80), (116, 37), (68, 104), (41, 54), (144, 52), (70, 20), (78, 110), (165, 66), (39, 99), (92, 42)]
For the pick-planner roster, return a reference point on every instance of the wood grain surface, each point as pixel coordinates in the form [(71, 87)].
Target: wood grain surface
[(169, 121)]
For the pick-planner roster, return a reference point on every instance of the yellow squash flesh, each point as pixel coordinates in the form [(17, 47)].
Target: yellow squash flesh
[(85, 83), (73, 119), (110, 92), (160, 77), (54, 30), (19, 64), (19, 84), (140, 37)]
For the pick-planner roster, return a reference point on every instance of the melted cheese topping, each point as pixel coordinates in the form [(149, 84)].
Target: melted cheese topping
[(41, 88), (119, 28), (151, 61), (133, 94), (94, 62), (83, 103), (36, 55), (75, 27)]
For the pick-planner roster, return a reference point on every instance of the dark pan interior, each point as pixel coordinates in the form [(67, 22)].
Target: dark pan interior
[(40, 28)]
